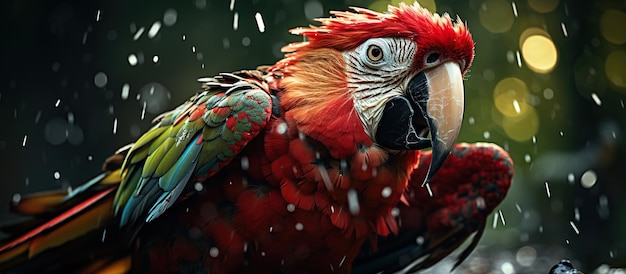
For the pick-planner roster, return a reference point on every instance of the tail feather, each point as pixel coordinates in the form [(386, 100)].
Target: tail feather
[(60, 221)]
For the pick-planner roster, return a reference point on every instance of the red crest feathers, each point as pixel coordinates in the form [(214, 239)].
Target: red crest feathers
[(347, 30)]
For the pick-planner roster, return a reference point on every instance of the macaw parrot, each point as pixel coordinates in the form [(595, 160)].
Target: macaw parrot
[(311, 165)]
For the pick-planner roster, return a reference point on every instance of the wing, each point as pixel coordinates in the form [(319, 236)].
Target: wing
[(191, 143), (471, 183)]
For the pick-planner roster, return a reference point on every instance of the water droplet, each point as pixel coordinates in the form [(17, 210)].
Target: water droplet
[(395, 212), (547, 189), (299, 226), (313, 9), (588, 179), (259, 22), (132, 59), (471, 120), (281, 128), (386, 192), (527, 158), (574, 227), (214, 252), (548, 93), (514, 6), (138, 33), (291, 207), (486, 134), (100, 79), (480, 203), (245, 41), (155, 59), (502, 217), (24, 140), (16, 198), (125, 91), (564, 29), (114, 126), (419, 240), (596, 99), (571, 178), (430, 191), (235, 21), (518, 58), (507, 268), (154, 29), (353, 201), (526, 256), (198, 186), (57, 175), (169, 17)]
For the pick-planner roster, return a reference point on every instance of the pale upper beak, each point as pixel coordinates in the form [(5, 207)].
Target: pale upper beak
[(438, 94)]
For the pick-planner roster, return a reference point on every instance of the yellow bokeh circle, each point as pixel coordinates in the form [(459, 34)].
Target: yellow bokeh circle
[(539, 53), (496, 15), (543, 6), (615, 67), (521, 128), (510, 96), (612, 26)]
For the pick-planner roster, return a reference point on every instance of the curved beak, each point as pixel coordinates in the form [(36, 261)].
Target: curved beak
[(438, 94)]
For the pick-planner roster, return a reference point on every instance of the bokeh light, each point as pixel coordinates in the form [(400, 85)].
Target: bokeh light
[(543, 6), (615, 67), (539, 52), (496, 15), (612, 26), (510, 95)]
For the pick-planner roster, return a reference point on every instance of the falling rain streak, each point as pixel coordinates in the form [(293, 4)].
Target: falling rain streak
[(259, 22), (547, 189), (574, 227)]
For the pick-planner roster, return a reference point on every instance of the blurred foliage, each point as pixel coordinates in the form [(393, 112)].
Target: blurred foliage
[(82, 78)]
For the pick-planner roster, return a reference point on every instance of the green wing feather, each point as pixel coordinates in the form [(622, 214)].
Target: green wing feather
[(192, 141)]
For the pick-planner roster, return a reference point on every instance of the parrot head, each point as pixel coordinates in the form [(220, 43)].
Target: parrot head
[(401, 72)]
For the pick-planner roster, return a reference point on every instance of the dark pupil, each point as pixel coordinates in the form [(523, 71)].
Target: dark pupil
[(433, 57), (375, 52)]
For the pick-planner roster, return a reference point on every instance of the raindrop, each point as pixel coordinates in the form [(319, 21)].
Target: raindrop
[(57, 175), (201, 4), (571, 178), (480, 203), (547, 189), (419, 240), (564, 29), (125, 91), (353, 201), (198, 186), (291, 207), (98, 16), (114, 126), (154, 97), (155, 59), (527, 158), (154, 29), (235, 21), (226, 43), (259, 22), (518, 207), (169, 17), (395, 212), (132, 59), (507, 268), (232, 5), (574, 227), (57, 103), (576, 214), (100, 79), (214, 252), (16, 198), (386, 192), (245, 41), (245, 163), (104, 235), (281, 128), (596, 99), (193, 49), (502, 217), (526, 256), (313, 9), (486, 134), (471, 120), (271, 229), (514, 6), (430, 191), (89, 158), (138, 33), (519, 60), (495, 219), (548, 93), (588, 179), (540, 229), (24, 140), (184, 37), (299, 226), (561, 133)]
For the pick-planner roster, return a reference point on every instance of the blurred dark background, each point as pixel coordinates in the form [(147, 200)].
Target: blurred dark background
[(80, 79)]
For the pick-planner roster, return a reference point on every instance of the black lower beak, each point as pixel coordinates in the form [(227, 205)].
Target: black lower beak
[(433, 103)]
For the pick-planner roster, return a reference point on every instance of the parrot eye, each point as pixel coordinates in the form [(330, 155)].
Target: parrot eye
[(374, 53), (433, 58)]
